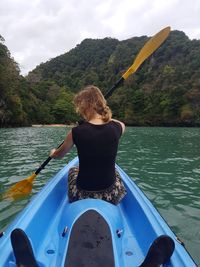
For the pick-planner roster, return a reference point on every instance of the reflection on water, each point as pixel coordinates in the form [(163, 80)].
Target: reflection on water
[(164, 162)]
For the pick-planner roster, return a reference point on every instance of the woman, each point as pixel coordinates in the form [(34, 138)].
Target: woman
[(97, 141)]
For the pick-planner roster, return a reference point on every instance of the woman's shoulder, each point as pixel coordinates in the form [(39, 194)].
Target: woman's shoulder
[(119, 123), (78, 130)]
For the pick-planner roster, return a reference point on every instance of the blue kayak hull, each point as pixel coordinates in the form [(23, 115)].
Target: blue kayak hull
[(49, 215)]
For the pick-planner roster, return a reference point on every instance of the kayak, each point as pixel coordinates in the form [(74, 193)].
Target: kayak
[(88, 232)]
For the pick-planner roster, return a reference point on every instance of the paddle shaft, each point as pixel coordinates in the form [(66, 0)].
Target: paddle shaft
[(117, 84), (42, 166), (144, 53)]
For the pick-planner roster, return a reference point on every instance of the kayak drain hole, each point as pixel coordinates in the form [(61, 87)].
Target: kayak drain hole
[(50, 251), (129, 253)]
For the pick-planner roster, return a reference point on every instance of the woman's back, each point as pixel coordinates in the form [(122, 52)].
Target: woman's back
[(97, 148)]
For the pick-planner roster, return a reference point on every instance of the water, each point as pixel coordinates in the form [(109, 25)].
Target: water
[(164, 162)]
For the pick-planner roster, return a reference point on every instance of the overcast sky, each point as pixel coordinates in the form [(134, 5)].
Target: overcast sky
[(37, 30)]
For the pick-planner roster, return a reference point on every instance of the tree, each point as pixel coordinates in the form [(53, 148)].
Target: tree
[(63, 109)]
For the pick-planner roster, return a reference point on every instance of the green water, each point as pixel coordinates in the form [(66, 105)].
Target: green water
[(164, 162)]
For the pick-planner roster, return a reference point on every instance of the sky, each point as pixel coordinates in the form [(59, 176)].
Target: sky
[(37, 30)]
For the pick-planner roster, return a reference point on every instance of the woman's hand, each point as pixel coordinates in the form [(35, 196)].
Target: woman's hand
[(52, 152), (64, 148)]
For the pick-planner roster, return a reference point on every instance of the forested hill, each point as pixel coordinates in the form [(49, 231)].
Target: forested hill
[(164, 91)]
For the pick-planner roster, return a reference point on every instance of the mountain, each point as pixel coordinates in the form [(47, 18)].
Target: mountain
[(164, 91)]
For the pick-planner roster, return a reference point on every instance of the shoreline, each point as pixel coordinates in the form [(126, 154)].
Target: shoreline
[(166, 125), (51, 125)]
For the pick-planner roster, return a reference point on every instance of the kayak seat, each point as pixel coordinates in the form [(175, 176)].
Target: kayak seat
[(159, 252), (22, 249), (90, 243)]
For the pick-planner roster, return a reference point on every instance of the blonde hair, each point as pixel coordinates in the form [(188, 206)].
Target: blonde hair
[(90, 101)]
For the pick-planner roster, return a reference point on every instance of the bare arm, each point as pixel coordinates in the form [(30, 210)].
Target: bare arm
[(64, 148)]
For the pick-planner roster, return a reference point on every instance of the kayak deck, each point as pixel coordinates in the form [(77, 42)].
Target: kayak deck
[(126, 250), (49, 219)]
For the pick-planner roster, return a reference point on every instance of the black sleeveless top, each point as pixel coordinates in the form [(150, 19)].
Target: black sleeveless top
[(97, 149)]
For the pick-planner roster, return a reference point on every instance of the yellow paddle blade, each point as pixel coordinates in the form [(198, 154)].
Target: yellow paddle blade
[(147, 50), (21, 188)]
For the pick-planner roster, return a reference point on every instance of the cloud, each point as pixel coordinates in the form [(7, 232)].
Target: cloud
[(38, 30)]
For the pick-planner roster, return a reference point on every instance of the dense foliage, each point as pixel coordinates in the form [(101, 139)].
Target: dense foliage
[(164, 91), (24, 103)]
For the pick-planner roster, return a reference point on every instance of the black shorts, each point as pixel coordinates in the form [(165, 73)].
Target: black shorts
[(112, 194)]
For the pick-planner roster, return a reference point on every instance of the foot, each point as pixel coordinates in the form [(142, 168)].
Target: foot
[(159, 252), (22, 249)]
